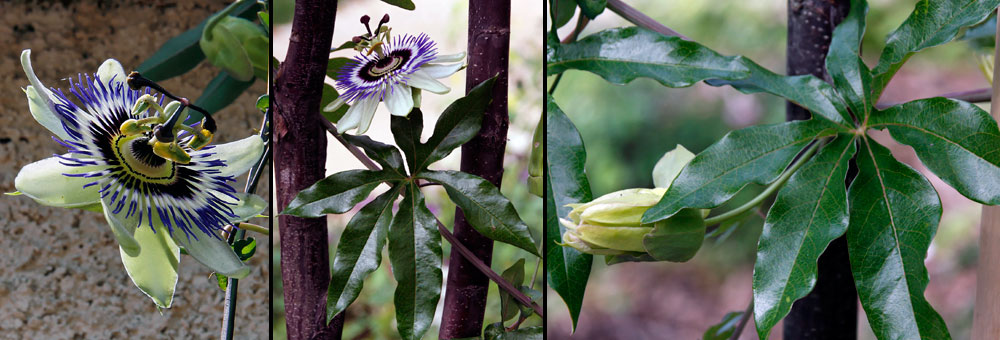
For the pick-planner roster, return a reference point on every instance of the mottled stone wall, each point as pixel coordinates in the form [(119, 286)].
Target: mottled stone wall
[(61, 276)]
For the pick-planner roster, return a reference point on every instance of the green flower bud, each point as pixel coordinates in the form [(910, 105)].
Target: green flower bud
[(610, 224), (236, 45)]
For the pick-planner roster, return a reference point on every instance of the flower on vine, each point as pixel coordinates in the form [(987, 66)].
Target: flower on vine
[(387, 70), (157, 181)]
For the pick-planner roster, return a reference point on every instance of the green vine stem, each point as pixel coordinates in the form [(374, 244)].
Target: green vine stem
[(771, 189), (228, 319)]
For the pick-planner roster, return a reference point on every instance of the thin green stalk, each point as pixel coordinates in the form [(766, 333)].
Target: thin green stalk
[(254, 228), (228, 319), (753, 203)]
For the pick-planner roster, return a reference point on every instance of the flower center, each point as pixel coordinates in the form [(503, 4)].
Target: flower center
[(138, 159), (383, 66)]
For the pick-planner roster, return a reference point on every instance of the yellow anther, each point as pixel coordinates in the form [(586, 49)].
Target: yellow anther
[(133, 127), (171, 151), (200, 140)]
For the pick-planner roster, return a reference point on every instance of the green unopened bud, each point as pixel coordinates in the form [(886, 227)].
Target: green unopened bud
[(610, 224), (235, 45)]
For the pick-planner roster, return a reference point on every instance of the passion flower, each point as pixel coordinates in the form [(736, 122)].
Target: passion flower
[(386, 70), (157, 181)]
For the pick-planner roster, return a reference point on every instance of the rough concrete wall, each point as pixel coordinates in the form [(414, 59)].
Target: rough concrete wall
[(61, 276)]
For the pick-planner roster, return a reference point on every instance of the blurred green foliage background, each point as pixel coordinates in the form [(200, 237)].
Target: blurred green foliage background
[(626, 129)]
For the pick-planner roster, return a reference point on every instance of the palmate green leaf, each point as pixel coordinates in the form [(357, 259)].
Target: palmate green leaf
[(386, 155), (810, 211), (220, 92), (725, 328), (406, 132), (566, 182), (894, 214), (560, 11), (337, 193), (182, 53), (620, 55), (359, 252), (932, 23), (678, 238), (508, 305), (334, 65), (404, 4), (485, 208), (843, 61), (755, 154), (806, 91), (592, 8), (459, 123), (956, 140), (415, 254)]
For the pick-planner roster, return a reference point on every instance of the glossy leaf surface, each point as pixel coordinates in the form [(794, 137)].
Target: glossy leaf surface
[(359, 252), (894, 214), (678, 238), (485, 208), (415, 254), (956, 140), (620, 55), (567, 268), (932, 23), (810, 211), (337, 193), (844, 64), (756, 154)]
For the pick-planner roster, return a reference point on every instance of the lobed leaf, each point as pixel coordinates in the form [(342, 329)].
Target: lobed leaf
[(566, 182), (337, 193), (415, 254), (359, 252), (757, 154), (844, 64), (932, 23), (220, 92), (620, 55), (806, 91), (810, 212), (386, 155), (956, 140), (485, 208), (894, 212)]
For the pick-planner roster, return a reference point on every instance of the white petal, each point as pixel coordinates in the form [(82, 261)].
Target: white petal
[(212, 252), (334, 105), (240, 155), (121, 226), (399, 100), (111, 69), (40, 101), (44, 182), (440, 70), (154, 269), (449, 58), (421, 80), (358, 116)]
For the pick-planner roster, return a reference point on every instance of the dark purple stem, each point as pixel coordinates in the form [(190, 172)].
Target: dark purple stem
[(489, 45), (830, 311), (300, 158)]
